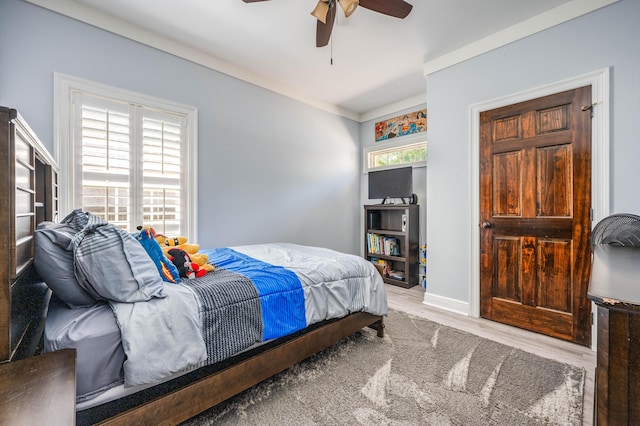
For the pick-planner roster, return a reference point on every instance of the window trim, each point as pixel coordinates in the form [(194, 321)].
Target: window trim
[(391, 145), (65, 86)]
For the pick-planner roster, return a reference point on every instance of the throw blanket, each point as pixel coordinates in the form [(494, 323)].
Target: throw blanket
[(245, 301), (256, 293)]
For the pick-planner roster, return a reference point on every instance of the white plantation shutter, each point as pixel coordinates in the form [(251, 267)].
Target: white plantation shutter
[(162, 174), (130, 163), (106, 161)]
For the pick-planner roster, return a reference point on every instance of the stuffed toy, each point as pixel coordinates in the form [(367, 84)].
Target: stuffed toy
[(167, 270), (173, 241), (191, 249), (182, 261), (188, 247), (202, 260)]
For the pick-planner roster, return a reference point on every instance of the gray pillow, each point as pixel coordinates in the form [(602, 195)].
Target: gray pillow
[(112, 265), (76, 220), (54, 264)]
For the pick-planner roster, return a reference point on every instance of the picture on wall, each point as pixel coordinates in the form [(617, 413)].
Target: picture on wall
[(402, 125)]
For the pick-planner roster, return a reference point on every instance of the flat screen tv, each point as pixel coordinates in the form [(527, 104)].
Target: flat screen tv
[(392, 183)]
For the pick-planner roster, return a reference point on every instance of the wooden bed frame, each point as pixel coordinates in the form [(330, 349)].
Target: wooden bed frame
[(29, 195)]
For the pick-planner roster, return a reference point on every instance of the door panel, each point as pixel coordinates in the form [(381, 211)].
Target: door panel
[(554, 275), (507, 281), (507, 187), (554, 181), (535, 201)]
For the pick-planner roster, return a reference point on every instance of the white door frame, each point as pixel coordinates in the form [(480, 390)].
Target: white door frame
[(599, 82)]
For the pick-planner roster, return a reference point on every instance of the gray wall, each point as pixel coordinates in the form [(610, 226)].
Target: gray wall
[(270, 168), (604, 38)]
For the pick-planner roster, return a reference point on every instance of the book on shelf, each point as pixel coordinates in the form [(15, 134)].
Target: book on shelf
[(396, 275), (382, 244)]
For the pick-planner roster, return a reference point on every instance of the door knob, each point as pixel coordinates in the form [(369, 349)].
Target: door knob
[(486, 225)]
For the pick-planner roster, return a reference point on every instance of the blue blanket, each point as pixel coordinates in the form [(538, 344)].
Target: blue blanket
[(245, 301), (279, 289)]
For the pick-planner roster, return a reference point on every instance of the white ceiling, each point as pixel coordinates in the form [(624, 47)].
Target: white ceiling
[(377, 60)]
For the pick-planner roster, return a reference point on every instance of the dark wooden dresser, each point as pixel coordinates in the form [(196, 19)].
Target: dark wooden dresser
[(40, 390), (615, 288)]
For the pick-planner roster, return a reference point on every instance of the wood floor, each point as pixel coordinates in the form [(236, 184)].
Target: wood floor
[(411, 301)]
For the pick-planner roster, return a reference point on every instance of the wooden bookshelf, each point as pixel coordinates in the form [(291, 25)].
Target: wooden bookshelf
[(391, 237)]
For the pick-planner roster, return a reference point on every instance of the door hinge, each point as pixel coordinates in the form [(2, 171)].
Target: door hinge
[(591, 318), (589, 108)]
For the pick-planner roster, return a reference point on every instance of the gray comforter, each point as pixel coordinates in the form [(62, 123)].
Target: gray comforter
[(207, 320)]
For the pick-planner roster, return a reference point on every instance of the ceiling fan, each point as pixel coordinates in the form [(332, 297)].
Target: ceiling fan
[(325, 13)]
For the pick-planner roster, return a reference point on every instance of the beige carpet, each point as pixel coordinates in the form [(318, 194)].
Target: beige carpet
[(421, 373)]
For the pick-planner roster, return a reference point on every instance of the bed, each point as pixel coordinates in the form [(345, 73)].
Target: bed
[(320, 307)]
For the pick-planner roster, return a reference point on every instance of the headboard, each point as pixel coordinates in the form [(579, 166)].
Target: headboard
[(28, 196)]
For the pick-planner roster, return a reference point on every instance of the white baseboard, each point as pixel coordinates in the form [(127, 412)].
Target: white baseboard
[(446, 303)]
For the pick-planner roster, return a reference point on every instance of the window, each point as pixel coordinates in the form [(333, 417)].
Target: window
[(130, 158), (394, 155)]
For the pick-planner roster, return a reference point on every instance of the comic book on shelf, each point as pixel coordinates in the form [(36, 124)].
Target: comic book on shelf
[(381, 244)]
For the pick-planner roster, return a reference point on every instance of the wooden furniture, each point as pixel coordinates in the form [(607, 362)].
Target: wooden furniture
[(397, 222), (39, 390), (34, 390), (615, 288), (29, 195)]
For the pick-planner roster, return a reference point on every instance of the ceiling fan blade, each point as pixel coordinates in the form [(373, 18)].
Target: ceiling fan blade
[(323, 31), (253, 1), (396, 8)]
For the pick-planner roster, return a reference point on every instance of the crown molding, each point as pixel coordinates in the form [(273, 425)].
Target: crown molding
[(393, 108), (88, 15), (558, 15)]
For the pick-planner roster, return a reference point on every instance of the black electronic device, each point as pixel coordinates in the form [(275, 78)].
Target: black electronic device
[(391, 183)]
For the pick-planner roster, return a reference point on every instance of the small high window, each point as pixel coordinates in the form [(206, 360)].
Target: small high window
[(389, 156)]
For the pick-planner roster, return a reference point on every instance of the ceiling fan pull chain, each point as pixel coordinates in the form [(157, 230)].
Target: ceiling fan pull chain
[(331, 41), (331, 47)]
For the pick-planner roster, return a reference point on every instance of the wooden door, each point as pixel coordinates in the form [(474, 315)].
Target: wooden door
[(535, 205)]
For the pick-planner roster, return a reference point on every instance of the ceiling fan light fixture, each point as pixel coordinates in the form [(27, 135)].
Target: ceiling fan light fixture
[(349, 6), (321, 11)]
